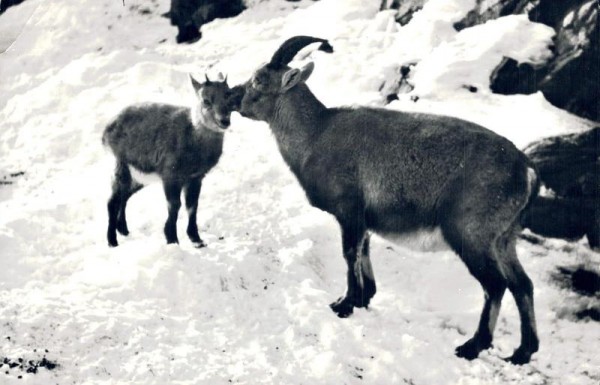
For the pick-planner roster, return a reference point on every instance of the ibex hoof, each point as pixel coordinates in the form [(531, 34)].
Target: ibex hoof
[(199, 244), (471, 349), (519, 357), (123, 231), (342, 307)]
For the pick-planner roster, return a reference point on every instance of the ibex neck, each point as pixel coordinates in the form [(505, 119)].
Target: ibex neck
[(297, 120)]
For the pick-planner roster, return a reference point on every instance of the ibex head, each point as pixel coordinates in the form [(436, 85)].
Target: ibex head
[(275, 77), (215, 102)]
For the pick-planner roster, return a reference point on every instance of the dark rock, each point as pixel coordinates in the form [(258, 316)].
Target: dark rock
[(570, 166), (551, 12), (406, 8), (392, 89), (571, 78), (586, 281), (190, 15), (391, 97), (593, 314), (511, 78), (487, 10), (5, 4), (565, 218)]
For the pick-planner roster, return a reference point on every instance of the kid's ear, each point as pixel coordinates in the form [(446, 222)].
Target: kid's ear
[(196, 84), (295, 76)]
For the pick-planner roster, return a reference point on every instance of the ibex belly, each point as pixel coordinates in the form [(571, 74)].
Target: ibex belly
[(419, 240), (143, 178)]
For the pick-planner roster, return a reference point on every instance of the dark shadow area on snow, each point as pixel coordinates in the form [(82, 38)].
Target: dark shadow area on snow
[(23, 365), (583, 281)]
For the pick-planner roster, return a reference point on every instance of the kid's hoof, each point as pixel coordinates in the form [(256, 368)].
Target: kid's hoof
[(199, 244), (196, 240), (471, 349), (123, 230), (519, 357), (113, 243), (342, 307)]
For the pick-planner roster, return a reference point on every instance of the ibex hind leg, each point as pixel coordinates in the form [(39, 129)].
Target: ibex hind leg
[(484, 236), (473, 238), (521, 288), (482, 265), (121, 218), (366, 270), (116, 203)]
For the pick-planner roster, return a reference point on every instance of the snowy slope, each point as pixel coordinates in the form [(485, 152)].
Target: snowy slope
[(252, 307)]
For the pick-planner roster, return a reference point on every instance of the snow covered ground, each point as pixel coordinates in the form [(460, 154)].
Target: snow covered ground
[(252, 307)]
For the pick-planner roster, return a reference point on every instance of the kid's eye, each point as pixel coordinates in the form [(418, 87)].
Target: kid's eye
[(206, 103)]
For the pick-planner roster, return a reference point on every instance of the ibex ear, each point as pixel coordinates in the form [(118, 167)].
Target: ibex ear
[(236, 95), (295, 76), (196, 84)]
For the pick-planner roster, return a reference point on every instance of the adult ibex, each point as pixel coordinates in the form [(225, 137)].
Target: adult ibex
[(395, 173)]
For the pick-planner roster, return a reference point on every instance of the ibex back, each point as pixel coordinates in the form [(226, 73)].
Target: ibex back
[(394, 173)]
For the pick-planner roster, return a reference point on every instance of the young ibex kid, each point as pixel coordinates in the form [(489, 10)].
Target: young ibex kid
[(395, 173), (179, 144)]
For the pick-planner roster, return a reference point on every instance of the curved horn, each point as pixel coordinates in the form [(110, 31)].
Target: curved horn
[(291, 46), (207, 79)]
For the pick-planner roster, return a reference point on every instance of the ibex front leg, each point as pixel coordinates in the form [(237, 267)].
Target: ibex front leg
[(192, 193), (173, 195), (361, 282)]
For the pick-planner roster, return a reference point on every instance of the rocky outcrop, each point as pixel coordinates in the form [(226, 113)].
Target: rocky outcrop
[(570, 166), (571, 78), (488, 10), (190, 15)]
